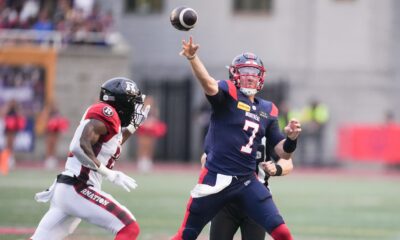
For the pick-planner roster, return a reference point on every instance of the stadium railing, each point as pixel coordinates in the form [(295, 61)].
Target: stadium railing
[(56, 39)]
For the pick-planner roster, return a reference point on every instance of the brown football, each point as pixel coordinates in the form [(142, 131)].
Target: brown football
[(183, 18)]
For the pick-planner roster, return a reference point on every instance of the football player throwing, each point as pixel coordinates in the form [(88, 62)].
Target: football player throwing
[(239, 120)]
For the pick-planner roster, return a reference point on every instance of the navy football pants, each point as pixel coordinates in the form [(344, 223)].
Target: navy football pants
[(247, 192), (227, 222)]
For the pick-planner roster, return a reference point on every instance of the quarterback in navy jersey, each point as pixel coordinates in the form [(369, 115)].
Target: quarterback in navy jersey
[(239, 121), (231, 218)]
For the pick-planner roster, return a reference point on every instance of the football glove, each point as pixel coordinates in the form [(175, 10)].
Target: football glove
[(118, 178), (140, 114)]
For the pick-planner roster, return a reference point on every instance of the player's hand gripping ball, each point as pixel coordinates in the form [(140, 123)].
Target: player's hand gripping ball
[(183, 18)]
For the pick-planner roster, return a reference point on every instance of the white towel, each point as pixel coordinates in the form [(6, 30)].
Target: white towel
[(45, 196), (261, 174), (201, 190)]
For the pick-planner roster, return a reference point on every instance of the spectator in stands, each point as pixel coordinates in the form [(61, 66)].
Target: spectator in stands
[(29, 12), (63, 18), (147, 135), (107, 21), (11, 18), (44, 22), (81, 21), (315, 117), (86, 6), (3, 14)]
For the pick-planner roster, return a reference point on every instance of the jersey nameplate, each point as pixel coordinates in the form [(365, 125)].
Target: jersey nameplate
[(253, 116), (243, 106), (263, 114)]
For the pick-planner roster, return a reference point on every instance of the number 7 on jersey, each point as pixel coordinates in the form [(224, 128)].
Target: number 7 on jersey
[(255, 126)]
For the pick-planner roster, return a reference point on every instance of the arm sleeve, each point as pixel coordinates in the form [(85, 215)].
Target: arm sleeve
[(226, 89)]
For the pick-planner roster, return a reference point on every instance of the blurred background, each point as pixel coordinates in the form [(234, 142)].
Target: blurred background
[(333, 64)]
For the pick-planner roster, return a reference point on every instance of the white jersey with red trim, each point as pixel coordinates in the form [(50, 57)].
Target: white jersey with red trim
[(107, 149)]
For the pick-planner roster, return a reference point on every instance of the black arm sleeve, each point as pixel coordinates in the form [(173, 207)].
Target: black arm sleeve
[(217, 99)]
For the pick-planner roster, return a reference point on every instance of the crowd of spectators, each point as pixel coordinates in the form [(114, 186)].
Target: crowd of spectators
[(24, 83), (79, 21)]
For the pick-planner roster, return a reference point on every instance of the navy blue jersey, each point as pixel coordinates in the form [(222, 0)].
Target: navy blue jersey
[(236, 128)]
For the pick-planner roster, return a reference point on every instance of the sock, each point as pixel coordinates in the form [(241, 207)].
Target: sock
[(281, 233), (129, 232)]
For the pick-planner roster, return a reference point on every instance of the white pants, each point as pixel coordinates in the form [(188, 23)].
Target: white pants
[(70, 204)]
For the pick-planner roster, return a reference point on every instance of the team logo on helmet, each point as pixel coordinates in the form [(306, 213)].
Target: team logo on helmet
[(108, 111)]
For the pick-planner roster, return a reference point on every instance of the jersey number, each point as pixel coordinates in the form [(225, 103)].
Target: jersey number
[(255, 126)]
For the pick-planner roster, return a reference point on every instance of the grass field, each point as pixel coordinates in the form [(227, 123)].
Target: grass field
[(330, 205)]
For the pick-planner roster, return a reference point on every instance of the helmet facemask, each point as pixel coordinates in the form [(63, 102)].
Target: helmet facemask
[(249, 78), (127, 111)]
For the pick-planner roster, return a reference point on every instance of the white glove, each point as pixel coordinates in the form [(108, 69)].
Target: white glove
[(139, 116), (118, 178)]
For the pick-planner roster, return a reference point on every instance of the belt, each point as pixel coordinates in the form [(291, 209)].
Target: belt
[(74, 181), (67, 179)]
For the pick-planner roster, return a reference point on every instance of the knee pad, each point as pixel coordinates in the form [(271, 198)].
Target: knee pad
[(129, 232), (281, 233)]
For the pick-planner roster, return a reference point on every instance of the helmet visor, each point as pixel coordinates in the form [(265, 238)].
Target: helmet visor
[(249, 71)]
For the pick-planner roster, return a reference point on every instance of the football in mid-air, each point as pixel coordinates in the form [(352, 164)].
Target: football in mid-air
[(183, 18)]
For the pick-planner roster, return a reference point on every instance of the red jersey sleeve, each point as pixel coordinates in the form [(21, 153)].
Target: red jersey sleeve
[(107, 114)]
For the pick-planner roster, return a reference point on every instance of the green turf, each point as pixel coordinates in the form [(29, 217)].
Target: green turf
[(315, 206)]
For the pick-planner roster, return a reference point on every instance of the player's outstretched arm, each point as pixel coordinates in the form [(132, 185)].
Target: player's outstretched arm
[(189, 50)]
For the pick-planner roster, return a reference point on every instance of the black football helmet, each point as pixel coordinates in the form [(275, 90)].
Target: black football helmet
[(247, 64), (123, 94)]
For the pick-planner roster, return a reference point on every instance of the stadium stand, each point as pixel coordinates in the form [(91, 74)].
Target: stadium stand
[(55, 23)]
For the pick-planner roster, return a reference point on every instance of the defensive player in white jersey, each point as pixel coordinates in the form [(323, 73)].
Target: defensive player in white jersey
[(76, 194)]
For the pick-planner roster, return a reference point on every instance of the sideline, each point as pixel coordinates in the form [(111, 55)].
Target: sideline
[(16, 230)]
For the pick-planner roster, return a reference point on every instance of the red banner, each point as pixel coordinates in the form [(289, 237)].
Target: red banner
[(369, 143)]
